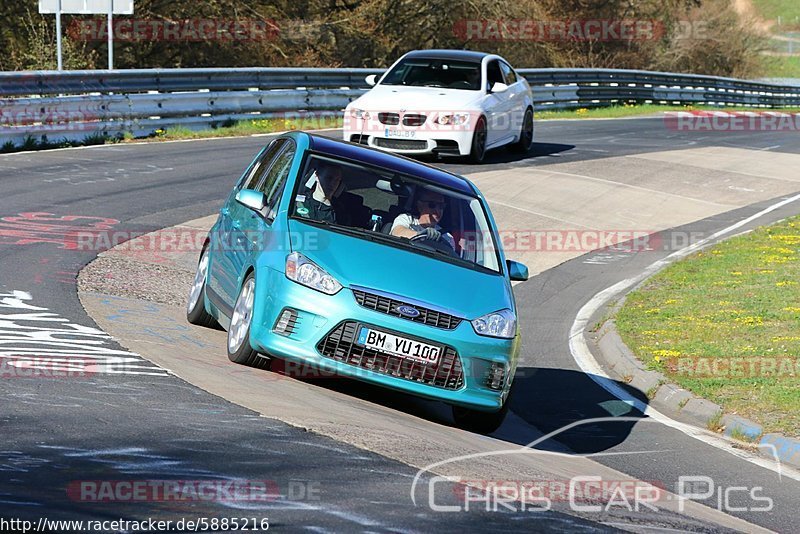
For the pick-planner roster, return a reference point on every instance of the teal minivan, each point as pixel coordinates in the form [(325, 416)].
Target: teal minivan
[(368, 265)]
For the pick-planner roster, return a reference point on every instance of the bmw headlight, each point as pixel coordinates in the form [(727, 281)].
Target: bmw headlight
[(359, 113), (306, 272), (501, 323), (453, 119)]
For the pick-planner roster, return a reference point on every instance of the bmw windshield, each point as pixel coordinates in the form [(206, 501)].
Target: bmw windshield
[(398, 210), (450, 74)]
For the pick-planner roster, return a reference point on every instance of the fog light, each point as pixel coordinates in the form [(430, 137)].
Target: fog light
[(286, 322), (495, 378)]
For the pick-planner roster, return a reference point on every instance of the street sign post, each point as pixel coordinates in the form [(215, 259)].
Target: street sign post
[(86, 7)]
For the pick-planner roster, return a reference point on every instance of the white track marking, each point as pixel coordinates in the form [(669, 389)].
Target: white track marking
[(585, 360), (632, 186), (34, 339)]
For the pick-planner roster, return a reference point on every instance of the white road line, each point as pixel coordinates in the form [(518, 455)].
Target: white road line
[(585, 360), (730, 171), (526, 210), (631, 186)]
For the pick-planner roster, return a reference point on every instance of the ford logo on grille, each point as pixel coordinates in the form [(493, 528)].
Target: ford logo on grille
[(408, 311)]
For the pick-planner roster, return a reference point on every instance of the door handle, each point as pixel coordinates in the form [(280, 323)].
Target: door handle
[(236, 225)]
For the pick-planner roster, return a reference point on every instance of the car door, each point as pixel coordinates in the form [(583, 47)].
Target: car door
[(254, 233), (498, 108), (223, 278), (517, 96)]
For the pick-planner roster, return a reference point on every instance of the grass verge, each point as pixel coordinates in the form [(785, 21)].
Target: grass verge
[(628, 110), (725, 324)]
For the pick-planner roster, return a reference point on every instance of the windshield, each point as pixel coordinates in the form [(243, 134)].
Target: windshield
[(435, 73), (398, 210)]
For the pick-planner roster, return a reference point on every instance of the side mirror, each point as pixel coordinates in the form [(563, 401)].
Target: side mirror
[(372, 79), (517, 271), (250, 198), (498, 87)]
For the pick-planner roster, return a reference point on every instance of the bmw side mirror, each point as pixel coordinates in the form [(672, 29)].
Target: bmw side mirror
[(517, 271), (498, 87), (250, 198), (372, 79)]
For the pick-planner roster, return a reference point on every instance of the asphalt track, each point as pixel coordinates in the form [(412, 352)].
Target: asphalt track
[(121, 426)]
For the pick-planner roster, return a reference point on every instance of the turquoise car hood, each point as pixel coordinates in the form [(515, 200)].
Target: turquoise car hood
[(354, 261)]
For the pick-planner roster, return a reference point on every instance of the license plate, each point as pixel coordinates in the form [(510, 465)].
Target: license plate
[(402, 134), (399, 346)]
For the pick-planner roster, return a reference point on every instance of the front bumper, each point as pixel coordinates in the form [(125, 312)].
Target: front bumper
[(317, 315), (425, 139)]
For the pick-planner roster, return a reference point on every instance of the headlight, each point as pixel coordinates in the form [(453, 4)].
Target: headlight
[(501, 323), (359, 113), (453, 119), (305, 272)]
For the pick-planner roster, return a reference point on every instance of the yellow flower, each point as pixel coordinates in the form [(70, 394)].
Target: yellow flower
[(736, 273), (785, 338), (792, 309), (652, 310), (670, 301), (750, 320), (786, 283), (666, 353)]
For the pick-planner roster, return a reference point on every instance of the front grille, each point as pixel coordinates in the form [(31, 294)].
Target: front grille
[(359, 138), (401, 144), (414, 119), (389, 306), (389, 118), (340, 345)]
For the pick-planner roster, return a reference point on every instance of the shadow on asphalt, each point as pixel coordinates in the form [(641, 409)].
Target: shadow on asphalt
[(547, 399), (501, 155), (551, 399)]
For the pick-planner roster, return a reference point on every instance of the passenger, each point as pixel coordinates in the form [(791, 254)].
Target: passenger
[(424, 219), (324, 185)]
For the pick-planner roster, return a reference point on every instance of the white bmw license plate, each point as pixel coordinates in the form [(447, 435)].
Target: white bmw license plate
[(401, 134), (399, 346)]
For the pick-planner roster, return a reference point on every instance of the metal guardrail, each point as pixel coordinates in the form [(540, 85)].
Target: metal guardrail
[(74, 105)]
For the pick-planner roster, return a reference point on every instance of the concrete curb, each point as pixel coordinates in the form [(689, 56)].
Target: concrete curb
[(621, 363)]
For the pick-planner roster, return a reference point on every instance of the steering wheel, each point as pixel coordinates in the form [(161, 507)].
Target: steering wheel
[(440, 245)]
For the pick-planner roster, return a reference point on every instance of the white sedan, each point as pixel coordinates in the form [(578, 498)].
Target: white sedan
[(445, 102)]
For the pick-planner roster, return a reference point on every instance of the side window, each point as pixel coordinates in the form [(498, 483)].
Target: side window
[(257, 170), (493, 74), (274, 180), (508, 73)]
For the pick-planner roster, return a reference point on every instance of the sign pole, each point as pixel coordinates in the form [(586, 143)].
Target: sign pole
[(58, 37), (110, 35)]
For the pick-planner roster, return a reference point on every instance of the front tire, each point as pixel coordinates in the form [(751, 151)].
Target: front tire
[(477, 421), (238, 344), (478, 148), (195, 307)]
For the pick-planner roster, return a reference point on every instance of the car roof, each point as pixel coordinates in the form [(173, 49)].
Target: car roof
[(466, 55), (392, 162)]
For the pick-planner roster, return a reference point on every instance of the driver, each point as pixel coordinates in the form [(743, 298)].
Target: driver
[(424, 219)]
